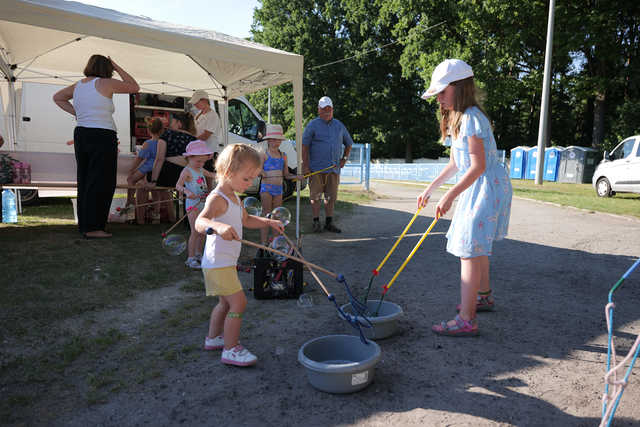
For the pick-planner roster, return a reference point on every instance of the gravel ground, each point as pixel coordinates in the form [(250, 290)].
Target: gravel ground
[(539, 361)]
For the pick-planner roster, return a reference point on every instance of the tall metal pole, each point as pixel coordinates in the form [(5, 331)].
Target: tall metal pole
[(544, 105)]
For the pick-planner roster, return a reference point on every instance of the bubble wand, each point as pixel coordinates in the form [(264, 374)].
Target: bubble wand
[(183, 217), (376, 271), (304, 176), (353, 320), (386, 287)]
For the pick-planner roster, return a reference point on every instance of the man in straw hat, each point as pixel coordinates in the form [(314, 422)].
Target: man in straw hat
[(208, 127)]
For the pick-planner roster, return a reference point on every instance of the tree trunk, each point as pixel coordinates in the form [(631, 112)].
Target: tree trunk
[(408, 152), (533, 132), (598, 121)]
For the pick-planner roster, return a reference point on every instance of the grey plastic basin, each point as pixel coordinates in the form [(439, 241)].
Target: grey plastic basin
[(339, 363), (384, 324)]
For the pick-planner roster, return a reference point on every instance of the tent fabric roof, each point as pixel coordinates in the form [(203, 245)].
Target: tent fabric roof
[(51, 40)]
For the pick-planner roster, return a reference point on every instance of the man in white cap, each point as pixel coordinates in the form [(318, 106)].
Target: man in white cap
[(322, 150), (208, 127)]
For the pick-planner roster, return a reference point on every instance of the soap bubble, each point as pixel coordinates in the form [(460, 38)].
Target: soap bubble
[(253, 206), (305, 300), (174, 244), (281, 214), (280, 244), (97, 275)]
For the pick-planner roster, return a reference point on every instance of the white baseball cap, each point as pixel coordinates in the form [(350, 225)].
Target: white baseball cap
[(198, 95), (448, 71), (325, 101)]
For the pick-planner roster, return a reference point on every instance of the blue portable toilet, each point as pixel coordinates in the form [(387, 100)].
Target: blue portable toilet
[(532, 163), (552, 156), (518, 162)]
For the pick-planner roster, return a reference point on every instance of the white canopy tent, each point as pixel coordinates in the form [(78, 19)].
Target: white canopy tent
[(49, 41)]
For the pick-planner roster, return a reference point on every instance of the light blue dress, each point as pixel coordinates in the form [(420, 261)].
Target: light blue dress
[(198, 186), (483, 209)]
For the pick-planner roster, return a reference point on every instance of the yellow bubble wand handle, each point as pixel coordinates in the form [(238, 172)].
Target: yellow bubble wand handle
[(321, 170), (386, 287), (413, 252), (376, 271), (393, 248)]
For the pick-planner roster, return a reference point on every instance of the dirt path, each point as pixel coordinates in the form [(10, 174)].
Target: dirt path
[(539, 362)]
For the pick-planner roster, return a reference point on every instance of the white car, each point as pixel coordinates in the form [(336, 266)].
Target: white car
[(619, 171)]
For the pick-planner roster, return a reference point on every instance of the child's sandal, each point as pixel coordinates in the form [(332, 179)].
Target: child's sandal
[(462, 328)]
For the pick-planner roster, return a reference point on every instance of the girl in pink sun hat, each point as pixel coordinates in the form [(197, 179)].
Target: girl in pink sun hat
[(274, 170), (193, 185)]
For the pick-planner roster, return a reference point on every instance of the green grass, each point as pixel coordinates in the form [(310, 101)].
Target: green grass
[(581, 196)]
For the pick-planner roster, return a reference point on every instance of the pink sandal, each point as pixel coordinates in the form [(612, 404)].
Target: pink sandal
[(462, 328)]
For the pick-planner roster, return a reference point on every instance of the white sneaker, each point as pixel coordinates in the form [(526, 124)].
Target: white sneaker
[(238, 356), (192, 263), (199, 258), (216, 343)]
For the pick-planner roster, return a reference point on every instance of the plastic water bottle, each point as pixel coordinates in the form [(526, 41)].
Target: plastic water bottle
[(9, 211)]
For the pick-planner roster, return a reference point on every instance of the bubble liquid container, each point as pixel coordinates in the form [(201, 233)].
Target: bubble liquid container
[(339, 363), (9, 210)]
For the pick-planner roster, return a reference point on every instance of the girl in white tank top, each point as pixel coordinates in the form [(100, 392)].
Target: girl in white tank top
[(217, 251), (222, 219)]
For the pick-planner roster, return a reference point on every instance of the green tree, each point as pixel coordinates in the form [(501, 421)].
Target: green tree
[(371, 96), (393, 48)]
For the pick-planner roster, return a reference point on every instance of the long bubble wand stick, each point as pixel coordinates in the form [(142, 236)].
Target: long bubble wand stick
[(406, 261), (376, 271)]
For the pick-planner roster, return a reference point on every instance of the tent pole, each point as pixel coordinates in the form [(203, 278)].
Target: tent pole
[(12, 115), (297, 105)]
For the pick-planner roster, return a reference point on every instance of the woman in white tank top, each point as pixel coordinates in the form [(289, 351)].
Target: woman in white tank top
[(95, 139)]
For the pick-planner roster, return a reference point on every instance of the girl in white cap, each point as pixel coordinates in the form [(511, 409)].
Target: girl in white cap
[(483, 208), (193, 185), (274, 170)]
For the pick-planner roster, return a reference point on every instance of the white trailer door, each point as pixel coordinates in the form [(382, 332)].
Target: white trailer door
[(44, 127)]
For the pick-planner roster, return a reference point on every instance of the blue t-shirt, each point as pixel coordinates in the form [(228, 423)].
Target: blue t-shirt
[(325, 141), (149, 155)]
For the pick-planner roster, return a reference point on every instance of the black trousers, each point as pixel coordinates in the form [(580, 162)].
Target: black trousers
[(97, 163)]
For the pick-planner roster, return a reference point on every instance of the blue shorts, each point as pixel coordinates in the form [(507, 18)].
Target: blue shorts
[(273, 189)]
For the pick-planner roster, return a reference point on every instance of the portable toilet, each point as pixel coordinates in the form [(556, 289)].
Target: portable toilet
[(532, 163), (518, 162), (577, 165), (552, 156)]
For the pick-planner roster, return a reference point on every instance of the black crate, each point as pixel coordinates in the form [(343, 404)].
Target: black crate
[(275, 279)]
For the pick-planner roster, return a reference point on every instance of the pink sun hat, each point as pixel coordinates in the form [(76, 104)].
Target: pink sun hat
[(274, 132), (197, 148)]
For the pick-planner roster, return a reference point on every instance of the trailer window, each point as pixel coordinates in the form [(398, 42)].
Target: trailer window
[(242, 122)]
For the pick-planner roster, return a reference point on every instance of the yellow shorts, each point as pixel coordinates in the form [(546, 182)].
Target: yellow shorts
[(221, 281)]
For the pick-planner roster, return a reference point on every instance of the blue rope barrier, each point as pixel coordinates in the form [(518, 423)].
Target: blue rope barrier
[(610, 350)]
